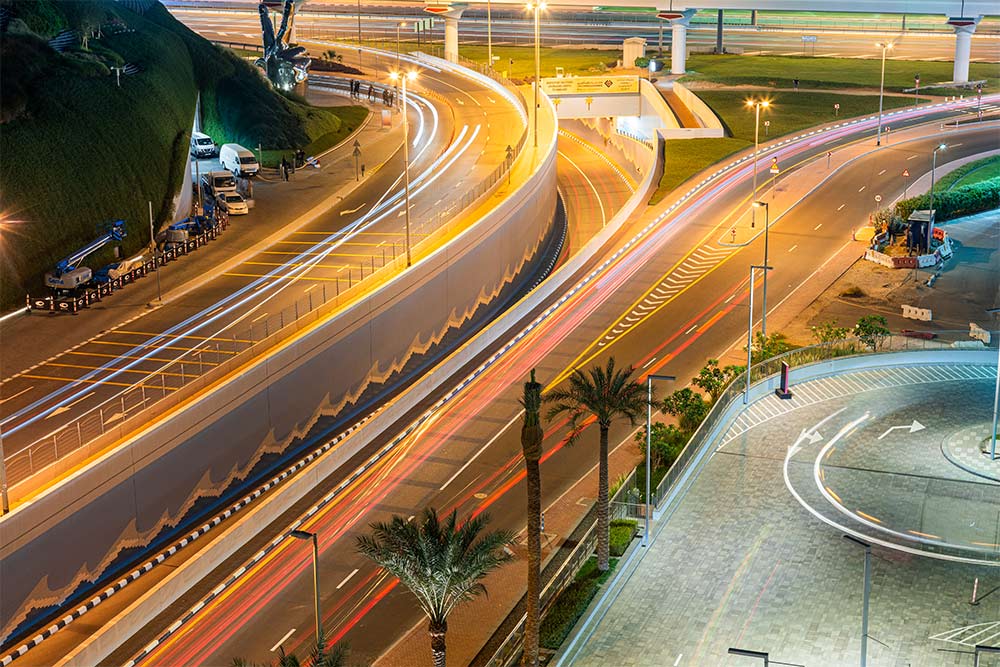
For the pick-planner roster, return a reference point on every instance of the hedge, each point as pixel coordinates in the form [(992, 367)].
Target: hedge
[(955, 203), (622, 532), (571, 603)]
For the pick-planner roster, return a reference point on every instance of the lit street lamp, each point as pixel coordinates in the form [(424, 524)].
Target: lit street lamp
[(489, 33), (649, 445), (866, 595), (885, 46), (930, 215), (756, 105), (404, 77), (746, 388), (4, 498), (996, 401), (305, 535), (767, 224), (399, 25), (537, 8)]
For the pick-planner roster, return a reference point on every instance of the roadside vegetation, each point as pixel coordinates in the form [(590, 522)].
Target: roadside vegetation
[(970, 174), (79, 150)]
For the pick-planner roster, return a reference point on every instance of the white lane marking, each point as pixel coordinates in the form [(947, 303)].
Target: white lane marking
[(912, 157), (353, 210), (881, 172), (13, 396), (862, 188), (258, 318), (282, 640), (646, 365), (347, 578), (817, 226), (691, 329), (841, 207), (954, 145), (66, 408), (482, 449), (793, 247), (678, 660)]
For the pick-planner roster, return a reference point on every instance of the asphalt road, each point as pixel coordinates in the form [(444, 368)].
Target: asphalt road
[(459, 133), (684, 292), (244, 26)]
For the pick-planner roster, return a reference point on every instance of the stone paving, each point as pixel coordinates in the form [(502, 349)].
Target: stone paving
[(965, 449), (741, 562)]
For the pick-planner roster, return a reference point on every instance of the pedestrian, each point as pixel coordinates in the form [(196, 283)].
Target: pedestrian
[(795, 82), (371, 93), (362, 171)]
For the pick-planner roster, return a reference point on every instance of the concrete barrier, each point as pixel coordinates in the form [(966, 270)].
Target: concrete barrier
[(914, 313), (711, 126), (180, 580)]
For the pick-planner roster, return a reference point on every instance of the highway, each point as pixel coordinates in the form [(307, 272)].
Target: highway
[(683, 291), (459, 134), (244, 26)]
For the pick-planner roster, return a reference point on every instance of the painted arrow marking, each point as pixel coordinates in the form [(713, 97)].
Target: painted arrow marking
[(914, 427)]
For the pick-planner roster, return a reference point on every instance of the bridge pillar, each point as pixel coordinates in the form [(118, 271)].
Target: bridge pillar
[(679, 21), (964, 27), (451, 12)]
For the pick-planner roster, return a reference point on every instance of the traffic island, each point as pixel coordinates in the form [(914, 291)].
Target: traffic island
[(969, 449)]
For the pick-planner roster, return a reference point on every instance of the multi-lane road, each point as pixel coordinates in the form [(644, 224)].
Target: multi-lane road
[(676, 297)]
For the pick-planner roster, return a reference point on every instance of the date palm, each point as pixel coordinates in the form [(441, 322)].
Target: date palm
[(441, 563), (531, 444), (606, 394)]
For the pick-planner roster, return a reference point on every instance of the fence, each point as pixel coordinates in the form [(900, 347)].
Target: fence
[(221, 354)]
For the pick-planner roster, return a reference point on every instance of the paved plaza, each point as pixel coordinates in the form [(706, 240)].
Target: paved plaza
[(754, 554)]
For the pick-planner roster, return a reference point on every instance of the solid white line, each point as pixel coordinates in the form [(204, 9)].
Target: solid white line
[(649, 362), (679, 655), (691, 329), (481, 450), (347, 578), (4, 400), (282, 640)]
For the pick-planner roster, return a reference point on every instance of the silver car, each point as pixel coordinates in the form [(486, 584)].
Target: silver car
[(232, 203)]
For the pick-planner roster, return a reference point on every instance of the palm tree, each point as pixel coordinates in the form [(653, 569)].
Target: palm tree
[(441, 563), (531, 444), (319, 656), (607, 394)]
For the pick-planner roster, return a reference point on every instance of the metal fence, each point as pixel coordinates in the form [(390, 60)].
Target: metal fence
[(222, 353)]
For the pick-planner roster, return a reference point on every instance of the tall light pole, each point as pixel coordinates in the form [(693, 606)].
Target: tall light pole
[(537, 8), (489, 33), (996, 401), (767, 224), (305, 535), (359, 33), (930, 215), (867, 594), (753, 271), (756, 105), (649, 445), (4, 498), (399, 25), (885, 46), (404, 77)]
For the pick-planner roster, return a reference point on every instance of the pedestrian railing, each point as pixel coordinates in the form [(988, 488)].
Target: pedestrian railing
[(221, 353)]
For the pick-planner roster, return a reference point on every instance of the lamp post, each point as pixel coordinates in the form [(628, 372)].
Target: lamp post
[(399, 25), (996, 400), (930, 215), (404, 77), (746, 389), (489, 33), (4, 498), (885, 46), (537, 8), (359, 33), (751, 654), (756, 105), (867, 594), (767, 224), (649, 445), (305, 535)]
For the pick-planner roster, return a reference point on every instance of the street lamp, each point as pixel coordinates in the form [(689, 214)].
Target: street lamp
[(767, 224), (401, 24), (4, 498), (996, 400), (537, 8), (404, 77), (930, 215), (753, 270), (305, 535), (867, 594), (649, 444), (756, 105), (885, 46), (750, 654), (489, 33)]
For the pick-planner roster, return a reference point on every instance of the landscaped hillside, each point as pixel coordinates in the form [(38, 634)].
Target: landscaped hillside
[(76, 149)]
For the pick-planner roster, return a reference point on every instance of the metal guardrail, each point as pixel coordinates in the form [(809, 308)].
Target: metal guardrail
[(210, 360)]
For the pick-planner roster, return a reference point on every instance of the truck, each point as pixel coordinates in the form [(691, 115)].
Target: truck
[(178, 233), (69, 273), (215, 182)]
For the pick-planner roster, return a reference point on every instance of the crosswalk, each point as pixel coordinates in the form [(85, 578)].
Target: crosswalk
[(850, 384), (970, 635)]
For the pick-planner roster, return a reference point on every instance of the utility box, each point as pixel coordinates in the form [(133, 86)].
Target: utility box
[(634, 47)]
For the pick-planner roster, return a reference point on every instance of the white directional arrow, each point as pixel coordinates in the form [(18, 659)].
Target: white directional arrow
[(914, 427), (812, 436)]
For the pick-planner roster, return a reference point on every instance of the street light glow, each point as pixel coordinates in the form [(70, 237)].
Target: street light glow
[(410, 76), (536, 6), (763, 104)]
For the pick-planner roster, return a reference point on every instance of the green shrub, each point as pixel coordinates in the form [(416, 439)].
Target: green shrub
[(667, 441), (622, 532), (642, 62), (950, 204), (571, 603)]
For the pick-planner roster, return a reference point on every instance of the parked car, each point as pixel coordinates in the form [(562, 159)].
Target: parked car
[(202, 145), (238, 160), (215, 183), (232, 203)]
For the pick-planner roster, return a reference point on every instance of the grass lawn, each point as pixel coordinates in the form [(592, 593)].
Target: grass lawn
[(789, 112), (971, 173), (778, 72), (573, 61)]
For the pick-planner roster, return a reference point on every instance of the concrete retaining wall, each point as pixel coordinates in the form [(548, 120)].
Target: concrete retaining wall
[(711, 126), (328, 375)]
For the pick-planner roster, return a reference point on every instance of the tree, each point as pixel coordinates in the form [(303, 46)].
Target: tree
[(713, 379), (441, 563), (765, 347), (319, 656), (667, 444), (872, 331), (531, 444), (829, 332), (688, 406), (606, 394)]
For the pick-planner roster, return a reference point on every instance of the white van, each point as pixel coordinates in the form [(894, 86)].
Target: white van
[(202, 145), (238, 160)]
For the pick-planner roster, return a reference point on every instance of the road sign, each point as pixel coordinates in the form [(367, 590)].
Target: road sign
[(767, 123), (906, 173), (811, 39), (837, 106), (774, 167)]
